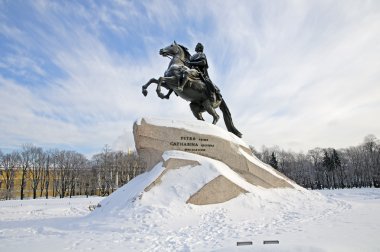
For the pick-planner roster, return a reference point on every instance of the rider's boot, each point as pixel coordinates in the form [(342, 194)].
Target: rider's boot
[(212, 97), (218, 95)]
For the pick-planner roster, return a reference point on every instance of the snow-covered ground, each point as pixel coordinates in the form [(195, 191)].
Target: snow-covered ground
[(158, 219), (331, 220)]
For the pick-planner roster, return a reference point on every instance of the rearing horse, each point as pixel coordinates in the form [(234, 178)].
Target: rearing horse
[(195, 90)]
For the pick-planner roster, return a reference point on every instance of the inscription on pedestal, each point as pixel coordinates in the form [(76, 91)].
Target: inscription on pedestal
[(153, 140), (192, 144)]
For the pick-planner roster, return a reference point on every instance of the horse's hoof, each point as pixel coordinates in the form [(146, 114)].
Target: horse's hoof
[(161, 95), (145, 92), (216, 119)]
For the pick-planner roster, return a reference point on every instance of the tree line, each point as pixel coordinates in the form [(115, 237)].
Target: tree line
[(320, 168), (34, 172)]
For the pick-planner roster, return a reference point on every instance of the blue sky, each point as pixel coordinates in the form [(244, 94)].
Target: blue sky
[(297, 74)]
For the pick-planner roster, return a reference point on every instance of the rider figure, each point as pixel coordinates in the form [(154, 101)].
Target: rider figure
[(198, 61)]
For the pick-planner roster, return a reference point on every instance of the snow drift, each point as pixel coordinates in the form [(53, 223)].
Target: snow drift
[(182, 179), (157, 205)]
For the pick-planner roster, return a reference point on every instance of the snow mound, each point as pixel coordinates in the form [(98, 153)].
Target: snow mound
[(153, 207), (150, 213), (169, 186)]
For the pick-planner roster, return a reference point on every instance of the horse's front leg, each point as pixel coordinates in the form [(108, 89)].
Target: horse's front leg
[(185, 79), (164, 80), (168, 94), (158, 89), (145, 87)]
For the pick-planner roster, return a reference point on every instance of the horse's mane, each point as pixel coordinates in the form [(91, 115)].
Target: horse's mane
[(185, 50)]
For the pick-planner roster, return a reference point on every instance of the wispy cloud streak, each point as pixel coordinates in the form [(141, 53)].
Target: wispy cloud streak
[(294, 74)]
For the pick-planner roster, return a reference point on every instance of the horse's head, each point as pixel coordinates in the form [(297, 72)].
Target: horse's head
[(170, 50)]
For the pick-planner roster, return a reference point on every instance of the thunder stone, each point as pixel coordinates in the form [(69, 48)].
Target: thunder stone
[(155, 136)]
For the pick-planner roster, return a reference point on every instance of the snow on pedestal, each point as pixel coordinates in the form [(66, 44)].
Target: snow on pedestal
[(153, 137), (193, 162)]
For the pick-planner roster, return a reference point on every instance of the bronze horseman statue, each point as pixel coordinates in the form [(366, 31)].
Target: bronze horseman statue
[(187, 76)]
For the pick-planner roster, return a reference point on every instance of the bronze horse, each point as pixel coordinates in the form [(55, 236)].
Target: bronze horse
[(195, 89)]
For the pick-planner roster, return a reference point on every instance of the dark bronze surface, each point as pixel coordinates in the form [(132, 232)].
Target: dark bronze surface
[(188, 78)]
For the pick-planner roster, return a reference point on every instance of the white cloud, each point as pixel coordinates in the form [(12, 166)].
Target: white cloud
[(98, 99), (297, 68), (294, 74)]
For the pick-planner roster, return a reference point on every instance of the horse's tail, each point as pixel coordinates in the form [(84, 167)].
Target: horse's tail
[(228, 119)]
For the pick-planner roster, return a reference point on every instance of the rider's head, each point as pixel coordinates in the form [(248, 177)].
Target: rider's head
[(199, 47)]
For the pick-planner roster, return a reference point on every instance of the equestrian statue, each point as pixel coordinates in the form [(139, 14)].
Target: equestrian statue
[(188, 78)]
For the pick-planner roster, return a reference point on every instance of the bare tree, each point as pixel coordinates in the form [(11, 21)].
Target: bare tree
[(47, 173), (9, 163), (77, 162), (36, 168), (316, 159), (54, 172), (357, 166), (62, 173), (104, 164), (371, 147), (68, 173), (25, 163)]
